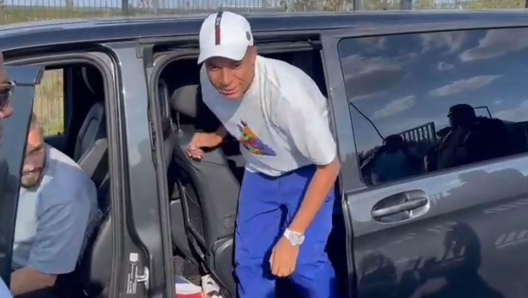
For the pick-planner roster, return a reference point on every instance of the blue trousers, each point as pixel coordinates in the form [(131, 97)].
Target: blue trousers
[(267, 206)]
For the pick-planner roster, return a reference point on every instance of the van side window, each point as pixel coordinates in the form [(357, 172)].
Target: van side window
[(428, 102), (49, 102)]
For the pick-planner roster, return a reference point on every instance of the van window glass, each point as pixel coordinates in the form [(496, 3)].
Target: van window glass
[(49, 102), (427, 102)]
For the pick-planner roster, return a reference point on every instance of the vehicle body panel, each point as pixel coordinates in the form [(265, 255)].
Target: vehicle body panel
[(466, 241), (146, 226)]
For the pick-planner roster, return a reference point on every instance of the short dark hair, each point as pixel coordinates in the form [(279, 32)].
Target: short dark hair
[(463, 110), (394, 139)]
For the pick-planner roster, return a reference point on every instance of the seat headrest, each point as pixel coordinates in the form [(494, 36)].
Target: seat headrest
[(185, 100)]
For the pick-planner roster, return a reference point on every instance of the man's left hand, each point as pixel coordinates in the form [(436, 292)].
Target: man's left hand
[(283, 258)]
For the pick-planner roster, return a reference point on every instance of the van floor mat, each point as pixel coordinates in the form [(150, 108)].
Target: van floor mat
[(187, 270), (192, 272), (177, 265)]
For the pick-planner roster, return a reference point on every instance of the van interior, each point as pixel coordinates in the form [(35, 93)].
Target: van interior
[(203, 194)]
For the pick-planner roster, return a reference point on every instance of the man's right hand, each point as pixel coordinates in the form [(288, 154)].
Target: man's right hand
[(202, 140)]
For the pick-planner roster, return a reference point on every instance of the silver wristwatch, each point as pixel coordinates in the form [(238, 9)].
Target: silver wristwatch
[(295, 238)]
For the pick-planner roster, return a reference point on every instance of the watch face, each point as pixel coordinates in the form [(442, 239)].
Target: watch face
[(294, 238), (297, 239)]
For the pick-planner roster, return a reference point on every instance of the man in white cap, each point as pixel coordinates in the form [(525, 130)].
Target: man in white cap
[(280, 117)]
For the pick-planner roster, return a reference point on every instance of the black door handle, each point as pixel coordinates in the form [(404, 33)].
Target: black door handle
[(406, 206)]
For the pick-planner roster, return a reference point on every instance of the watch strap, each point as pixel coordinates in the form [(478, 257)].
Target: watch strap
[(295, 238)]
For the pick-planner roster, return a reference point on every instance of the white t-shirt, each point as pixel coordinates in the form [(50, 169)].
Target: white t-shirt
[(282, 121), (4, 290)]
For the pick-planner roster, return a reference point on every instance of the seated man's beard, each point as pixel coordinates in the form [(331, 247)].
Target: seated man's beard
[(31, 178)]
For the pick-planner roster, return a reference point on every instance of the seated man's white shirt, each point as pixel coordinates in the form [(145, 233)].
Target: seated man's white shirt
[(4, 290), (282, 121), (53, 218)]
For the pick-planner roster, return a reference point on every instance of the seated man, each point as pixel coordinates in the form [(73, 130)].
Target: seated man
[(57, 208)]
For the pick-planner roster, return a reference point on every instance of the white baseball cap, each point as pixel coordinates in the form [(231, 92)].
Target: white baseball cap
[(225, 34)]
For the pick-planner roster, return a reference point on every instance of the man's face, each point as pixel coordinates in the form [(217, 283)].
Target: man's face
[(5, 89), (35, 159), (454, 119), (232, 78)]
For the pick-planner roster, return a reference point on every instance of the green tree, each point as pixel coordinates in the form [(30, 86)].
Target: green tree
[(425, 4), (451, 4), (318, 5), (381, 4), (494, 4)]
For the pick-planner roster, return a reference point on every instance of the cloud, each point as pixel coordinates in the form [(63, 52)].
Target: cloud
[(395, 107), (359, 66), (517, 114), (444, 66), (377, 43), (366, 76), (497, 43), (364, 96), (464, 85), (450, 40)]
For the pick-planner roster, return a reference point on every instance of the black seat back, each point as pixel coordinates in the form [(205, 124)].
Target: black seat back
[(210, 190), (166, 123), (92, 129), (94, 268), (92, 274), (94, 161)]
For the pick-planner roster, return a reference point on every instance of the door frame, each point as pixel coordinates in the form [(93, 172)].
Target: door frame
[(104, 62), (155, 115), (146, 250), (26, 78)]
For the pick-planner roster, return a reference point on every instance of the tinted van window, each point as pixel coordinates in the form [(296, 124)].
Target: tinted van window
[(436, 101)]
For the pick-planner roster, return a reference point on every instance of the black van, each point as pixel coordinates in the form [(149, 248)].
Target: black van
[(429, 110)]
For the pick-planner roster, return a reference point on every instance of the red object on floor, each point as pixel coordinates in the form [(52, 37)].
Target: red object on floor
[(186, 289), (199, 295)]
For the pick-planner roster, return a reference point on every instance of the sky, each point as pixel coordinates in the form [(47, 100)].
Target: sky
[(404, 81)]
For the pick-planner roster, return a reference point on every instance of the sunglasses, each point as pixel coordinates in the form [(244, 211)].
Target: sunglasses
[(6, 91)]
